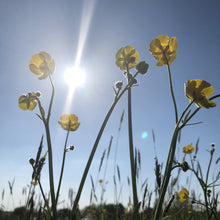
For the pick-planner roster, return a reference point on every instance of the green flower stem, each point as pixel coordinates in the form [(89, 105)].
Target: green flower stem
[(50, 163), (45, 200), (62, 168), (50, 155), (171, 89), (168, 168), (49, 146), (205, 187), (76, 201), (131, 150), (172, 93), (51, 100)]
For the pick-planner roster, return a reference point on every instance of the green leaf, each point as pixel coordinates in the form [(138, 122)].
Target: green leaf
[(39, 116)]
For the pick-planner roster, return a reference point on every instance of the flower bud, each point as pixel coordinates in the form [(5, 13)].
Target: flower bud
[(31, 161), (71, 147), (118, 85), (184, 166), (142, 67), (38, 94), (212, 151), (209, 192)]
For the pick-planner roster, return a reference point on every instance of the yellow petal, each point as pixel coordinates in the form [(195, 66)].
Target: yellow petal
[(171, 58), (34, 69), (155, 46), (73, 118), (64, 117), (173, 44), (164, 40), (127, 56), (45, 56), (205, 103)]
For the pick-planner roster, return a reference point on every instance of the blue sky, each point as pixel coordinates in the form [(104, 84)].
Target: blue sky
[(28, 27)]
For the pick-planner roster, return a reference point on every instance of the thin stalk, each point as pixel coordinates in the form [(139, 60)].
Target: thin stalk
[(62, 168), (50, 154), (168, 168), (207, 174), (206, 202), (50, 163), (51, 100), (205, 187), (44, 197), (171, 90), (74, 209), (131, 151)]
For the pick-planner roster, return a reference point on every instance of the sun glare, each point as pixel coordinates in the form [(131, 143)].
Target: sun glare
[(74, 77)]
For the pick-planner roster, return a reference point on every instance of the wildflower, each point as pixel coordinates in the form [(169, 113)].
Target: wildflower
[(142, 67), (100, 181), (188, 149), (163, 49), (126, 212), (69, 122), (41, 64), (27, 102), (184, 195), (198, 90), (129, 204), (127, 57), (104, 210)]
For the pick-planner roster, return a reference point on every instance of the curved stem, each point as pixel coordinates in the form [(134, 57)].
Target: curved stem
[(62, 168), (74, 209), (51, 100), (172, 93)]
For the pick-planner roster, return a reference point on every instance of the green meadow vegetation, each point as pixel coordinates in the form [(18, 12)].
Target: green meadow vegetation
[(169, 199)]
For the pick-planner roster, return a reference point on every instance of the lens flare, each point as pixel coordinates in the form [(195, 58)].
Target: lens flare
[(144, 135)]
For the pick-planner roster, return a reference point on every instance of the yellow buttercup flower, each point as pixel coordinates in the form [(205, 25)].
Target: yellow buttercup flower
[(41, 64), (69, 122), (198, 90), (163, 49), (184, 195), (27, 102), (188, 149), (127, 57)]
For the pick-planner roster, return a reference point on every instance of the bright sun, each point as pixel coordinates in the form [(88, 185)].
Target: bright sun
[(74, 77)]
